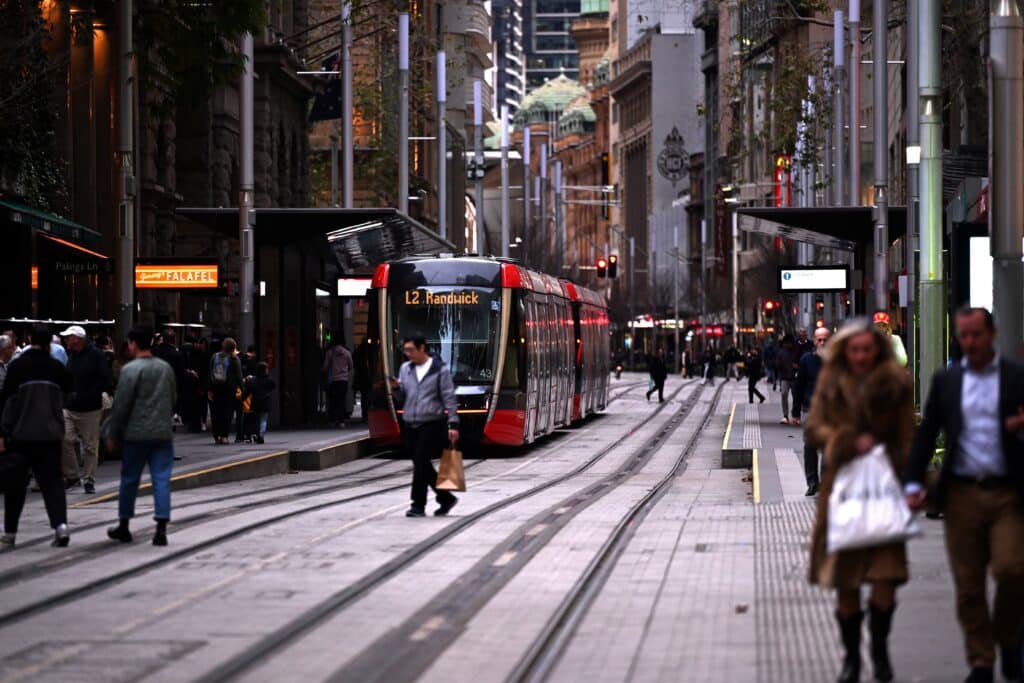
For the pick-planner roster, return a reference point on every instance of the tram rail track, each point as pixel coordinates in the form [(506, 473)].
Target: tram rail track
[(295, 628), (15, 575)]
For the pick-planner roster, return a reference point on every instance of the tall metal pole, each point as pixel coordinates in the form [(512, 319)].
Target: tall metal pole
[(839, 71), (246, 329), (527, 232), (543, 195), (403, 113), (126, 177), (348, 108), (703, 280), (913, 160), (855, 69), (556, 197), (505, 217), (828, 142), (675, 290), (442, 147), (478, 164), (735, 277), (880, 75), (632, 301), (334, 166), (932, 286), (1006, 172)]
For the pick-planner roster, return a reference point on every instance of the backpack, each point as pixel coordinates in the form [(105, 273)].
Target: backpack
[(219, 371)]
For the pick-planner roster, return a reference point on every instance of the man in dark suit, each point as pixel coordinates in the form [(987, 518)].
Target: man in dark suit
[(979, 403)]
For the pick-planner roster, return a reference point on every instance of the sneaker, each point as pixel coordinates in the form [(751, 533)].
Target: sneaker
[(7, 540), (71, 483), (445, 506), (415, 511), (61, 536), (119, 533), (90, 487)]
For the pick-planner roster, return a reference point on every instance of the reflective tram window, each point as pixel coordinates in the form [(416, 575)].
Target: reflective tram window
[(460, 325)]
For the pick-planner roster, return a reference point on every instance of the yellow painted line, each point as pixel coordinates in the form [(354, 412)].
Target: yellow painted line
[(728, 429), (181, 477), (757, 480)]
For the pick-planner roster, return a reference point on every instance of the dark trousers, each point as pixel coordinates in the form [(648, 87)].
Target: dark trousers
[(222, 410), (44, 459), (752, 389), (811, 463), (338, 396), (424, 443), (659, 386)]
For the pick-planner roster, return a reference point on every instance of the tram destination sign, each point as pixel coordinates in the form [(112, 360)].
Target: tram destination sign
[(814, 279), (424, 297)]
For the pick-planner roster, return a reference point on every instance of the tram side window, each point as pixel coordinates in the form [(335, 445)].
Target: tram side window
[(510, 378)]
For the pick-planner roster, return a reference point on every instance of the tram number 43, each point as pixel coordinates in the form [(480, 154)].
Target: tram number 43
[(419, 297)]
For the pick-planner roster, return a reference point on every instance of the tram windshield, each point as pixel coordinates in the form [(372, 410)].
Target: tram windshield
[(460, 325)]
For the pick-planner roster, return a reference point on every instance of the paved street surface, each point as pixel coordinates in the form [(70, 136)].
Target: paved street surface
[(619, 550)]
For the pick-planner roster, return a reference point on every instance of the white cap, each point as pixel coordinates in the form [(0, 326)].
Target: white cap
[(74, 331)]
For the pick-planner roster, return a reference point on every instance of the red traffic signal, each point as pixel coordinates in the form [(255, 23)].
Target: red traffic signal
[(769, 306), (613, 266), (602, 267)]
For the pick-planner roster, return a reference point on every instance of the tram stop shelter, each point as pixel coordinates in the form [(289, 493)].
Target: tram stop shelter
[(847, 228), (312, 269)]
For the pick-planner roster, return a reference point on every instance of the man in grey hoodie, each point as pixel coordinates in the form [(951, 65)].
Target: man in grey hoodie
[(425, 384), (141, 424)]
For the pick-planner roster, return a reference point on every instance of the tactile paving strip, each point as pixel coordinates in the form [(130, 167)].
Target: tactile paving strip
[(751, 427), (797, 637)]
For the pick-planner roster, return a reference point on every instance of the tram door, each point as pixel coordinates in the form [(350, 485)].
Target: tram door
[(529, 310), (544, 393)]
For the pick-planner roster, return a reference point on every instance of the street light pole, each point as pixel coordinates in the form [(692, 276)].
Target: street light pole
[(632, 302), (1006, 173), (526, 194), (559, 227), (839, 70), (246, 322), (126, 177), (505, 218), (347, 109), (403, 113), (478, 164), (880, 68), (855, 50), (675, 289), (442, 147), (913, 159), (932, 284)]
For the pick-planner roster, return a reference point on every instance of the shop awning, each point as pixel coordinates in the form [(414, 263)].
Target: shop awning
[(841, 227), (359, 238), (49, 223)]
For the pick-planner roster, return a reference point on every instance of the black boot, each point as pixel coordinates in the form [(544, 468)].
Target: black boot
[(880, 623), (160, 537), (120, 532), (849, 628)]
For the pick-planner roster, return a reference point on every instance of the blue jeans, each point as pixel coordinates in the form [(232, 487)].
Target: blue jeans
[(264, 417), (134, 456)]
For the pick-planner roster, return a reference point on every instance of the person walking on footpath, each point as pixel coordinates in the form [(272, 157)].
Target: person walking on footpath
[(338, 368), (32, 431), (140, 424), (770, 357), (803, 344), (429, 420), (82, 414), (979, 404), (225, 381), (785, 368), (707, 360), (803, 390), (862, 398), (755, 371), (658, 371), (732, 360)]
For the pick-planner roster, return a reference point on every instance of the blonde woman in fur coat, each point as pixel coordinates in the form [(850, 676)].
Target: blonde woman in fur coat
[(863, 398)]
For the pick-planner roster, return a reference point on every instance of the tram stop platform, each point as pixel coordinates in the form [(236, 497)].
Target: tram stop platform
[(201, 462), (796, 632)]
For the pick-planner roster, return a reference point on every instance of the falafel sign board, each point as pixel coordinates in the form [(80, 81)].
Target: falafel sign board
[(814, 279)]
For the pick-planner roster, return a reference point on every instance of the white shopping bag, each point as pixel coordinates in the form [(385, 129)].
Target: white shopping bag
[(866, 506)]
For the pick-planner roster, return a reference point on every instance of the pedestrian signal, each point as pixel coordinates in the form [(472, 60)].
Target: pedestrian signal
[(602, 267), (613, 266)]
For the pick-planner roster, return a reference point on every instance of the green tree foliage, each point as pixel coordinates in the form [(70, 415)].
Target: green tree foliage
[(30, 167)]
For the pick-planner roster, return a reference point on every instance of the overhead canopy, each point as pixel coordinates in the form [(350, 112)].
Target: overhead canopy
[(359, 238), (49, 223), (842, 227)]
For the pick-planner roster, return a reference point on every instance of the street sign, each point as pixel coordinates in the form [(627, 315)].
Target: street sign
[(814, 279)]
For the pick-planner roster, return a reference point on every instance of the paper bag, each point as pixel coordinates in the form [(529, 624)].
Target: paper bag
[(450, 475)]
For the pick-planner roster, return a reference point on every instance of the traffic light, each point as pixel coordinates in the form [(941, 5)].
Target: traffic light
[(819, 304), (613, 266), (602, 267), (769, 309)]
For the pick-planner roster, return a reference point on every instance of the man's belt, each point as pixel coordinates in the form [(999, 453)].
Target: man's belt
[(986, 482)]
